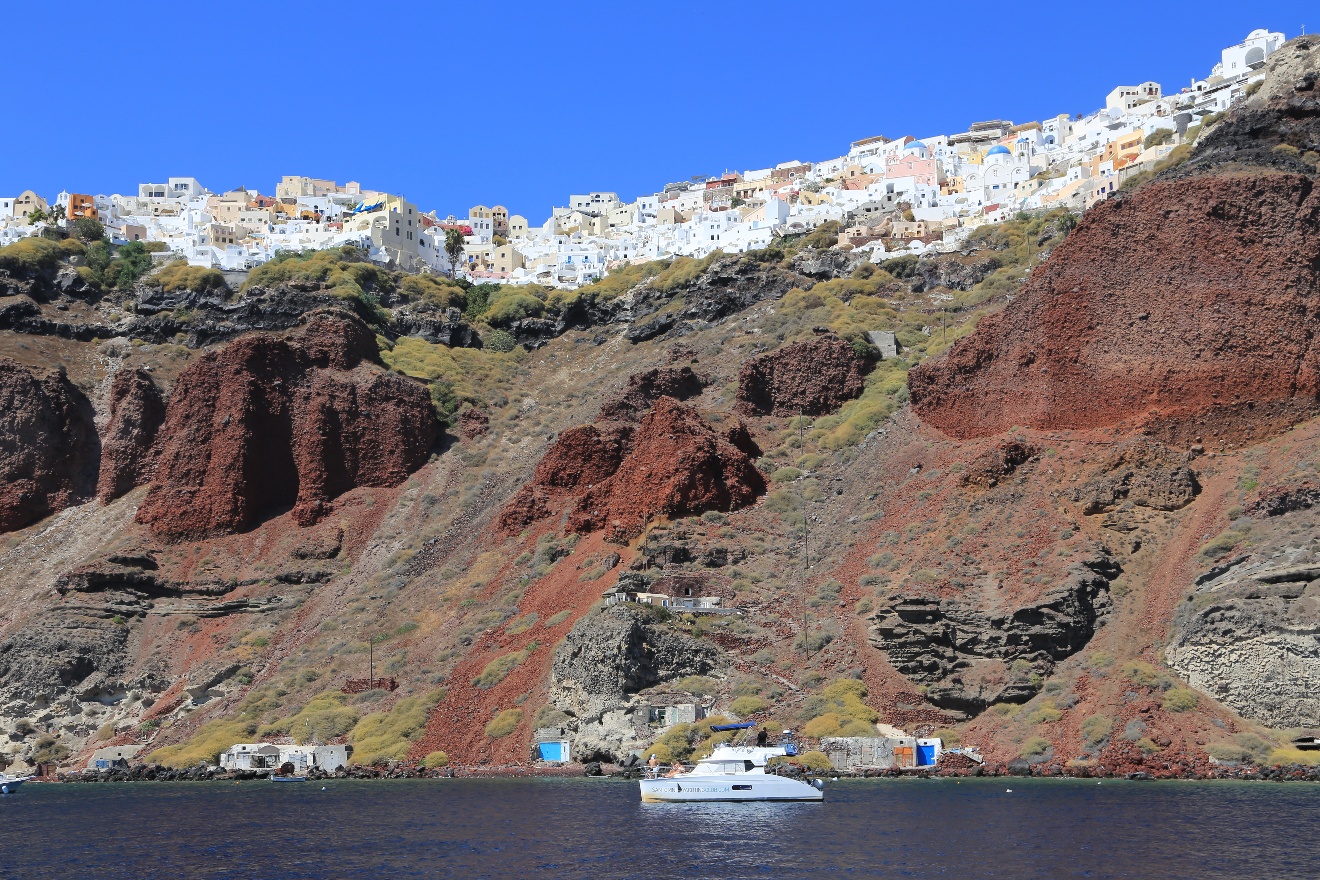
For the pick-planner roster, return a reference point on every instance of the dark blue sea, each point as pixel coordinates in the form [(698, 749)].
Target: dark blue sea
[(599, 829)]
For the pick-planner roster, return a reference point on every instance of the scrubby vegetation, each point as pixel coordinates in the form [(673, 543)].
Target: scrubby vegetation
[(179, 276), (504, 723), (323, 719), (495, 671), (839, 711), (387, 736), (205, 746)]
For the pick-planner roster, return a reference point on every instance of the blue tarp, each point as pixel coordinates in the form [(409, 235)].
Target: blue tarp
[(743, 726)]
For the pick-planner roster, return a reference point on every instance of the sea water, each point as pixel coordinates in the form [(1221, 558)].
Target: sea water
[(598, 828)]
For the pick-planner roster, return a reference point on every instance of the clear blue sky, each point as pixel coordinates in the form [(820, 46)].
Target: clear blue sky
[(513, 103)]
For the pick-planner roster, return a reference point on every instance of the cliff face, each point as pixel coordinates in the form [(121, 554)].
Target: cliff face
[(1184, 308), (136, 410), (268, 423), (48, 445)]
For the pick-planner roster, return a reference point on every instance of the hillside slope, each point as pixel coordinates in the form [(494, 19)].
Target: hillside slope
[(1073, 522)]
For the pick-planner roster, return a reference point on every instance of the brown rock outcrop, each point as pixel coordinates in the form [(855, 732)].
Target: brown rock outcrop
[(813, 377), (576, 461), (473, 423), (677, 466), (644, 389), (48, 445), (1186, 308), (1142, 472), (618, 478), (269, 422), (136, 413)]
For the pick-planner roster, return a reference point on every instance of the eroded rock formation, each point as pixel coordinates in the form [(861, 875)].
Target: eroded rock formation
[(271, 422), (971, 656), (618, 478), (136, 410), (677, 465), (49, 449), (1185, 307), (1247, 636), (644, 389), (813, 377)]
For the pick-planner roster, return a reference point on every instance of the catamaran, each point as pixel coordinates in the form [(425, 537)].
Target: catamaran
[(732, 773), (9, 784)]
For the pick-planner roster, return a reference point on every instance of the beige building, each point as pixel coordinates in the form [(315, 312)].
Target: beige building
[(505, 259), (27, 203)]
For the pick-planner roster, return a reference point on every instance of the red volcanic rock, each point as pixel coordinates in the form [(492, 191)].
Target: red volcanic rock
[(812, 377), (136, 412), (677, 466), (644, 389), (618, 478), (48, 445), (472, 423), (580, 458), (270, 422), (1186, 308)]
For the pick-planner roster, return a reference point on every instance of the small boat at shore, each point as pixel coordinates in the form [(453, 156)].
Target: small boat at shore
[(288, 779), (9, 784), (732, 773)]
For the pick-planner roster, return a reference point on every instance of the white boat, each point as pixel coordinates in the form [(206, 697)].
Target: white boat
[(732, 773), (9, 784)]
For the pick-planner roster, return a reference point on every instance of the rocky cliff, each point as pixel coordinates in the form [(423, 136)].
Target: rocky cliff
[(267, 423), (1087, 546), (49, 452)]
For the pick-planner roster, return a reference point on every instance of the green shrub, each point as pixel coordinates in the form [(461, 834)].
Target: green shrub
[(500, 340), (324, 718), (387, 736), (522, 624), (1144, 675), (748, 705), (30, 256), (1180, 700), (439, 292), (179, 276), (1046, 713), (557, 618), (504, 723), (814, 760), (1147, 745), (1289, 755), (433, 760), (495, 671), (785, 475), (205, 745), (513, 305), (1097, 729), (1034, 746), (698, 685), (951, 738)]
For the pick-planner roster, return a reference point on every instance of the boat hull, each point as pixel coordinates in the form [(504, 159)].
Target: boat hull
[(749, 787), (9, 786)]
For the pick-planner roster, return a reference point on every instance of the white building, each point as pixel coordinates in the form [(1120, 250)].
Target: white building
[(250, 756)]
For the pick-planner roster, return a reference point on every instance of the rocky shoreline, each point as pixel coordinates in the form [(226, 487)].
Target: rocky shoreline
[(157, 773)]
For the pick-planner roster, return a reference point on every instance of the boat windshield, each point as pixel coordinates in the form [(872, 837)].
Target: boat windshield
[(718, 768)]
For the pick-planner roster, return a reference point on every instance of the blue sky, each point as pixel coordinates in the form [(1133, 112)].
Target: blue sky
[(454, 104)]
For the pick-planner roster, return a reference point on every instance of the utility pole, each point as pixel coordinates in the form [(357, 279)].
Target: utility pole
[(371, 661)]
